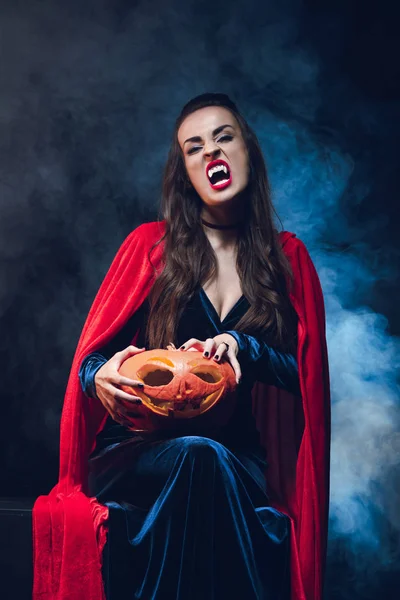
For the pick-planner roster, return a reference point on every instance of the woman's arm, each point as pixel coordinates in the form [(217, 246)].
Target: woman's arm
[(265, 364), (255, 357), (92, 362), (88, 369)]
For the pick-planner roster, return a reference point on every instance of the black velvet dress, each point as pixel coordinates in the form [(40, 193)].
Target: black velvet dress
[(189, 514)]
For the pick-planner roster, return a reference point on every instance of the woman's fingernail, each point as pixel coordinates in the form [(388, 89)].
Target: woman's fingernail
[(182, 348), (206, 354), (216, 357)]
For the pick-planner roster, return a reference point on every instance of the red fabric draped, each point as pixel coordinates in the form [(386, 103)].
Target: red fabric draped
[(70, 528)]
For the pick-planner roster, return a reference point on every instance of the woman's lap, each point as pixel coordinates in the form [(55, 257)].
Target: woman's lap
[(190, 503), (126, 470)]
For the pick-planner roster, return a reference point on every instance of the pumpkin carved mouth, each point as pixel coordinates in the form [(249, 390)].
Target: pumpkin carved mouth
[(181, 391), (177, 385)]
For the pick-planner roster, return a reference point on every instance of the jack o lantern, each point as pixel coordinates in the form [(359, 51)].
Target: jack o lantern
[(180, 388)]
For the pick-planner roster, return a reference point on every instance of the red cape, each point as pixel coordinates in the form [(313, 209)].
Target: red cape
[(70, 528)]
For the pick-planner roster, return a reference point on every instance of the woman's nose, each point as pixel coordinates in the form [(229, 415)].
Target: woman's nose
[(212, 150)]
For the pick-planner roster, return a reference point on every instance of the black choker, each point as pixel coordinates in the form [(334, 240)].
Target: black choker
[(213, 226)]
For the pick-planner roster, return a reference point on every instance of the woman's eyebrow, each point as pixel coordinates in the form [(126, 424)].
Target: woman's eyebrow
[(216, 131)]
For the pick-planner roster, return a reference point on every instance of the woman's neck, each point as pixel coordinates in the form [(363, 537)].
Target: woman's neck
[(221, 226)]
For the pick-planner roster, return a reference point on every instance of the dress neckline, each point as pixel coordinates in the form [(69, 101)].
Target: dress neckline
[(214, 310)]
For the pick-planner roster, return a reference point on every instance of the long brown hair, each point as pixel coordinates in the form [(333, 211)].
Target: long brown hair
[(190, 261)]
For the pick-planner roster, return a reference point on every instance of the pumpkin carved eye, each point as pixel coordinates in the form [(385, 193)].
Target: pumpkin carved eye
[(157, 377), (211, 376)]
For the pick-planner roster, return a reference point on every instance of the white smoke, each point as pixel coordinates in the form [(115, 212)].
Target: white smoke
[(310, 178)]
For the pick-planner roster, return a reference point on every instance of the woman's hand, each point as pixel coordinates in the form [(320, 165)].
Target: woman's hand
[(221, 346), (108, 381)]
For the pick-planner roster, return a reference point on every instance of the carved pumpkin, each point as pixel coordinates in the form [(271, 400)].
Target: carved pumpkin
[(179, 388)]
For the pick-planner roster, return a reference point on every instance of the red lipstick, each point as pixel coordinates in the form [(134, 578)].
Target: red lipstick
[(225, 173)]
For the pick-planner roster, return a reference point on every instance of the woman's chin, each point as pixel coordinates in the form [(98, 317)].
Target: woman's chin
[(226, 196)]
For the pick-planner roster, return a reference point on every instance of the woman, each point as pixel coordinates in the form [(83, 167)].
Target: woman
[(198, 521)]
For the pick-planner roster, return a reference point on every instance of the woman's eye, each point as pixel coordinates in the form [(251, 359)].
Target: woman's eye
[(193, 149), (225, 138)]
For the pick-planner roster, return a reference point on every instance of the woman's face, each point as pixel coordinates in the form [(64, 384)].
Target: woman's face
[(215, 154)]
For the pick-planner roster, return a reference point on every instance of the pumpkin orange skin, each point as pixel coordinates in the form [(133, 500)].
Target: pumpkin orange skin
[(182, 390)]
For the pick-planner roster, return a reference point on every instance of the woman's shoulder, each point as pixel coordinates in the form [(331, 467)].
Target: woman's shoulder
[(286, 237), (148, 233), (293, 247), (289, 241)]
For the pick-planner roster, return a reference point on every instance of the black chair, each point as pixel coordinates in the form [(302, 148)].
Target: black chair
[(16, 566), (16, 572)]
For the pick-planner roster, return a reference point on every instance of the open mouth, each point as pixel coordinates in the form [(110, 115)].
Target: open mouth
[(219, 174), (178, 408)]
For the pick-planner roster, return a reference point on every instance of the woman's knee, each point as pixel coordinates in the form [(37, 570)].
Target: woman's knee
[(199, 446)]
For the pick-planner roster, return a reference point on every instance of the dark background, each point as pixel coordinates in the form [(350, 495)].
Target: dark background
[(89, 92)]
